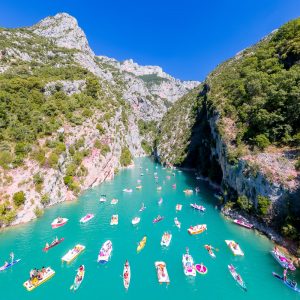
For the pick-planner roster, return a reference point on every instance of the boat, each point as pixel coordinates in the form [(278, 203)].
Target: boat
[(158, 219), (105, 252), (162, 272), (143, 207), (197, 189), (243, 223), (127, 190), (114, 220), (201, 269), (197, 207), (59, 222), (234, 247), (9, 265), (135, 220), (103, 198), (188, 192), (209, 249), (73, 253), (141, 244), (178, 207), (288, 282), (174, 186), (86, 218), (33, 283), (160, 201), (282, 259), (138, 187), (114, 201), (78, 278), (197, 229), (188, 264), (159, 188), (237, 277), (53, 244), (166, 239), (126, 275), (177, 223)]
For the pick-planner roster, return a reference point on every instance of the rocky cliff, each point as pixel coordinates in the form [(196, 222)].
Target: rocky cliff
[(68, 118)]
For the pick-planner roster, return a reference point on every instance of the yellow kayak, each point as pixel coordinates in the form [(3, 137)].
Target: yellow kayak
[(142, 244)]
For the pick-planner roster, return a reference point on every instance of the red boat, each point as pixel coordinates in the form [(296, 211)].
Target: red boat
[(243, 223), (53, 244)]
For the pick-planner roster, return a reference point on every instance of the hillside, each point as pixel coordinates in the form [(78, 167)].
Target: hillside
[(242, 130), (68, 118)]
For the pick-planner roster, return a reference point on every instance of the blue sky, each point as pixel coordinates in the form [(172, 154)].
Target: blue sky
[(188, 39)]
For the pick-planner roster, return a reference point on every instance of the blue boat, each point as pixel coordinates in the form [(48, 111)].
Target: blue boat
[(288, 282), (3, 268)]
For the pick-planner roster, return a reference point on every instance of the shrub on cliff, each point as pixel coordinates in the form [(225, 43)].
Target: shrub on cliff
[(244, 203), (5, 159), (38, 212), (297, 165), (290, 231), (126, 157), (263, 205), (45, 199), (19, 198), (261, 141), (52, 160)]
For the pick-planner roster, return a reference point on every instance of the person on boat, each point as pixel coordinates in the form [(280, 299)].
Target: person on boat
[(56, 239), (47, 245), (294, 284), (59, 219), (284, 274), (12, 256), (5, 264)]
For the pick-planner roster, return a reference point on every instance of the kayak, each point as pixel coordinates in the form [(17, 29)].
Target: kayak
[(178, 207), (105, 252), (237, 277), (31, 284), (127, 190), (114, 201), (201, 269), (197, 207), (162, 273), (138, 187), (3, 268), (141, 244), (160, 201), (114, 220), (177, 223), (53, 244), (288, 282), (78, 278), (283, 260), (197, 229), (209, 250), (158, 219), (126, 275), (73, 253), (102, 198), (86, 218), (188, 264), (59, 222), (166, 239), (243, 223), (234, 247), (188, 192), (135, 220), (143, 207)]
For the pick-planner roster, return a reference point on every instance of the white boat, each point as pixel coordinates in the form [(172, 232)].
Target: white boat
[(105, 252), (234, 247), (103, 198), (126, 275), (166, 239), (114, 220), (59, 222), (159, 188), (114, 201), (177, 223), (135, 220), (86, 218), (197, 207), (73, 253), (127, 190), (188, 264), (197, 229), (178, 207), (160, 201), (162, 273)]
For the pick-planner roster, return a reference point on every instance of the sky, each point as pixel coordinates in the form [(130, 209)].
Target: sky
[(188, 39)]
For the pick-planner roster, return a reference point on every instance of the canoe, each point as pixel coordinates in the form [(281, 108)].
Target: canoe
[(86, 218), (73, 253), (126, 275), (177, 223), (288, 282), (135, 220), (166, 239), (197, 229), (209, 250), (283, 260), (188, 264), (114, 220), (78, 278), (158, 219), (114, 201), (237, 277), (141, 244), (102, 198), (105, 252), (31, 284), (59, 222), (243, 223), (234, 247), (178, 207), (3, 268), (53, 244), (197, 207), (201, 269), (162, 272)]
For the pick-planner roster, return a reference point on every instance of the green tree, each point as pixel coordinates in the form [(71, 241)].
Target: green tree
[(263, 205), (126, 157), (19, 198), (244, 203), (262, 141)]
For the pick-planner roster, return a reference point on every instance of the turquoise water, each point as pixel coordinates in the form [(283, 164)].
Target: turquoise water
[(104, 281)]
